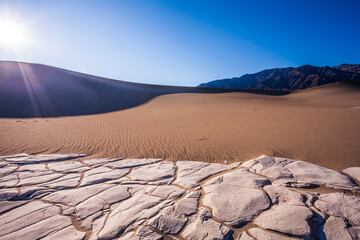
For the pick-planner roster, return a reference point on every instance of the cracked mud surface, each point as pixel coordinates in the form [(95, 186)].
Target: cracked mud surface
[(63, 196)]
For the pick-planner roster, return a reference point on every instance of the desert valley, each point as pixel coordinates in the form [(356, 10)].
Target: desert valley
[(107, 159), (179, 120)]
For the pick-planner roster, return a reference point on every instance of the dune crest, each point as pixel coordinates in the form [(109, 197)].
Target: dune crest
[(34, 90)]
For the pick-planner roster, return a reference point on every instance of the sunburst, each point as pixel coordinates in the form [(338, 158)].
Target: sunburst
[(13, 33)]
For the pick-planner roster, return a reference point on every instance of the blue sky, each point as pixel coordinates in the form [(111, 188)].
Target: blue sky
[(184, 42)]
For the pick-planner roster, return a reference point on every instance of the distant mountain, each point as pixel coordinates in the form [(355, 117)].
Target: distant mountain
[(290, 78), (349, 67)]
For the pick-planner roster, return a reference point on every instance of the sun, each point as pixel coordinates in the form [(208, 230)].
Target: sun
[(13, 34)]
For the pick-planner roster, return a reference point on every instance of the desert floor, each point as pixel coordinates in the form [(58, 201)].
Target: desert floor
[(319, 125)]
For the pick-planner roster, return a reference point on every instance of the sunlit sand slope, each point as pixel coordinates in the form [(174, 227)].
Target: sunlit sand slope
[(319, 125)]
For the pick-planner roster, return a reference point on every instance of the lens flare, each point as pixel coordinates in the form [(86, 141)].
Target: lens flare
[(13, 34)]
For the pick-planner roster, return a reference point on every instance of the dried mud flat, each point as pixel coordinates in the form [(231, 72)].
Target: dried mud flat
[(67, 196)]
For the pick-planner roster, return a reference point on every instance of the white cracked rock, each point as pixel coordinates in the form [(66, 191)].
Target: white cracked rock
[(205, 228), (69, 232), (17, 158), (98, 224), (169, 221), (3, 163), (266, 235), (33, 221), (100, 201), (355, 232), (8, 194), (102, 174), (304, 174), (62, 197), (245, 236), (318, 175), (33, 178), (8, 205), (143, 233), (286, 219), (340, 205), (68, 167), (354, 172), (34, 168), (153, 172), (26, 158), (191, 173), (291, 183), (130, 163), (9, 181), (7, 168), (269, 166), (336, 228), (189, 204), (236, 197), (75, 196), (165, 191), (233, 205), (283, 195), (67, 181), (96, 162), (137, 208), (33, 192), (89, 202), (240, 178)]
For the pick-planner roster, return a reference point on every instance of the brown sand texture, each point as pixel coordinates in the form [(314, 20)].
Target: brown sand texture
[(319, 125)]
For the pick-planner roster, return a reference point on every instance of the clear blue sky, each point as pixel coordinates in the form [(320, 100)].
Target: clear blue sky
[(184, 42)]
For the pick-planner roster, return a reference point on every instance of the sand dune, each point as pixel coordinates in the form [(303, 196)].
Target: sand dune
[(34, 90), (319, 125)]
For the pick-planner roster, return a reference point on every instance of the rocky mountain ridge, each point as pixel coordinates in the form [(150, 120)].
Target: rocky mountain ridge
[(290, 78)]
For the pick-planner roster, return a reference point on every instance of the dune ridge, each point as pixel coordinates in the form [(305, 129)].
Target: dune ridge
[(35, 90)]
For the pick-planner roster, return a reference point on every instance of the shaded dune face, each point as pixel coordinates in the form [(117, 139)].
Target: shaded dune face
[(32, 90)]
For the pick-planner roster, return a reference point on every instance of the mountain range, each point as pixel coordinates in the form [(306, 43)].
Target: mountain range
[(290, 78)]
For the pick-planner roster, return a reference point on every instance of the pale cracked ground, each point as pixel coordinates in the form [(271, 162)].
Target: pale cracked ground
[(63, 196)]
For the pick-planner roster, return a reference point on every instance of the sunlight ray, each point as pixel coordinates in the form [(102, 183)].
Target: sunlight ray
[(39, 100)]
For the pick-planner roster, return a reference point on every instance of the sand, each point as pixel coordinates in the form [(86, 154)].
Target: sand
[(318, 125)]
